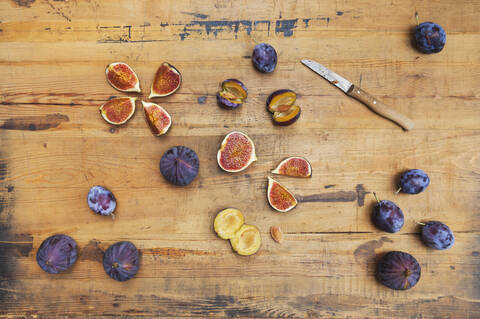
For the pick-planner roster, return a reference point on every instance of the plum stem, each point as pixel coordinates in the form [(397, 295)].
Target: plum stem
[(422, 224), (397, 191), (416, 17), (376, 198)]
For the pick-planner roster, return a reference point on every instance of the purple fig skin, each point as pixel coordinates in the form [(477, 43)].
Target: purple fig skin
[(179, 165), (225, 103), (437, 235), (398, 270), (101, 201), (388, 216), (121, 261), (274, 94), (289, 122), (57, 253)]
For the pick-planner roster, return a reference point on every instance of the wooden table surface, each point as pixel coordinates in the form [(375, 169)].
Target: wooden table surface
[(55, 146)]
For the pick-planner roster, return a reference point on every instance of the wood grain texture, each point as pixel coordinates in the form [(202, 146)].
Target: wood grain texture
[(54, 146)]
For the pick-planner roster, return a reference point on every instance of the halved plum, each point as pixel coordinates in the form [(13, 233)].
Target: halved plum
[(247, 240), (227, 222), (236, 152), (167, 81), (279, 197), (122, 77), (232, 95), (282, 104), (157, 118), (118, 111)]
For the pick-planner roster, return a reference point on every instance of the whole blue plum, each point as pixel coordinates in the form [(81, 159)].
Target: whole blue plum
[(387, 216), (264, 57), (430, 37), (437, 235), (414, 181)]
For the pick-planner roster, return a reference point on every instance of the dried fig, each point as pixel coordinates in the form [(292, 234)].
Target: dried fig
[(157, 118), (118, 111), (179, 165), (279, 197), (295, 167), (167, 81), (247, 240), (122, 77), (121, 261), (57, 253), (227, 222), (236, 152)]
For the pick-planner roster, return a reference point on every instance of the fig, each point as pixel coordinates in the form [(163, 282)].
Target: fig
[(247, 240), (398, 270), (236, 152), (295, 167), (437, 235), (232, 95), (227, 222), (157, 118), (413, 181), (122, 77), (264, 57), (121, 261), (282, 104), (101, 201), (387, 216), (119, 110), (57, 253), (167, 81), (179, 165), (279, 197)]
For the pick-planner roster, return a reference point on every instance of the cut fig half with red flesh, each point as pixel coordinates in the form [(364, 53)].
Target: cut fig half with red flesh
[(167, 81), (279, 197), (294, 166), (122, 77), (157, 118), (118, 111), (236, 152)]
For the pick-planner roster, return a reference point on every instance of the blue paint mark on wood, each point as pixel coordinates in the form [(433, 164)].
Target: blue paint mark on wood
[(202, 99), (306, 21), (286, 27), (339, 13), (197, 15)]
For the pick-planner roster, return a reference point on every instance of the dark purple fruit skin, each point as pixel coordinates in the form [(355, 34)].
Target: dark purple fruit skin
[(101, 201), (121, 261), (225, 103), (289, 122), (430, 37), (57, 253), (387, 216), (414, 181), (437, 235), (179, 165), (398, 270), (274, 94), (264, 57)]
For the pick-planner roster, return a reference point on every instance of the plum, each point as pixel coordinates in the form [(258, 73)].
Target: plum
[(437, 235), (232, 95), (179, 165), (398, 270), (413, 181), (101, 201), (264, 58), (387, 216), (429, 37), (57, 253), (121, 261)]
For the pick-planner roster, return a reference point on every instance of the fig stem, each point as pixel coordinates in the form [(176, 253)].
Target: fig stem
[(422, 224), (416, 17), (115, 265), (397, 191), (376, 198)]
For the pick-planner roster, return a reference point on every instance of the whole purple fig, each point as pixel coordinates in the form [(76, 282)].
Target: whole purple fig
[(121, 261), (179, 165), (398, 270), (57, 253)]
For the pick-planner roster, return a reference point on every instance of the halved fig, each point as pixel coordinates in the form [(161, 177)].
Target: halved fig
[(281, 104), (295, 167), (167, 81), (232, 95), (119, 110), (236, 152), (227, 222), (122, 77), (279, 197), (247, 240), (157, 118)]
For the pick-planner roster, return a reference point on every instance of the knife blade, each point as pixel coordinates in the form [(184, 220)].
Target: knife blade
[(356, 92)]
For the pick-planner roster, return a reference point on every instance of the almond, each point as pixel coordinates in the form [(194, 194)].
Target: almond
[(276, 233)]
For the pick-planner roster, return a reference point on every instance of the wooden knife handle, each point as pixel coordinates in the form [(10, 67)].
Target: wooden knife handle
[(380, 108)]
